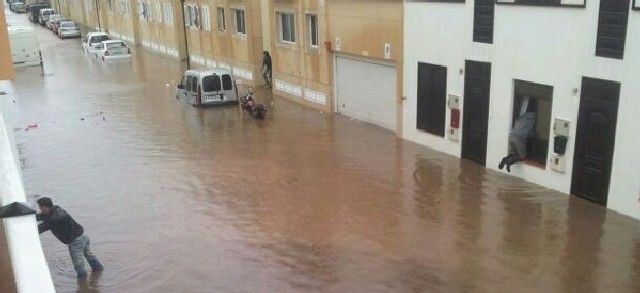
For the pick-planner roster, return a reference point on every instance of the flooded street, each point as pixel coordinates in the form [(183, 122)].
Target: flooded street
[(183, 199)]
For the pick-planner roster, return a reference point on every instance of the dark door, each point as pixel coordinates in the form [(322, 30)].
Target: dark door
[(595, 138), (477, 82), (432, 89)]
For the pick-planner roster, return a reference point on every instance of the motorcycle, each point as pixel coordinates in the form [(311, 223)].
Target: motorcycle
[(249, 105)]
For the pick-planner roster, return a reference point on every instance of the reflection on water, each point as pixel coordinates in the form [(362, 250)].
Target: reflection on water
[(179, 199)]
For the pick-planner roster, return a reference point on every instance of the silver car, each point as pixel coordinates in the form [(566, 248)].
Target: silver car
[(68, 29)]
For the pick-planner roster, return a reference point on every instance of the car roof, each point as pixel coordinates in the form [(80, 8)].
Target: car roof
[(97, 34), (208, 72)]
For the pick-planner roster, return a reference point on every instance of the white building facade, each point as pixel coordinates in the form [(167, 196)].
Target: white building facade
[(470, 65)]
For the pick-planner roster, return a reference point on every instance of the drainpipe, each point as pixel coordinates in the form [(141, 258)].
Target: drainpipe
[(186, 39), (98, 14)]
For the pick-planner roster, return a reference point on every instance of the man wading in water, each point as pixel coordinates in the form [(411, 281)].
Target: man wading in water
[(63, 226)]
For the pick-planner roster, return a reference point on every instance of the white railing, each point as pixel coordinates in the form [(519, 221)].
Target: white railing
[(30, 269)]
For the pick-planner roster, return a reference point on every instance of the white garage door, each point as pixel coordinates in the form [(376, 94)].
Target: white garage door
[(366, 91)]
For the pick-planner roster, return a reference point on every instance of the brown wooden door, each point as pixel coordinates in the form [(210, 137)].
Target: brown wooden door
[(477, 82), (595, 139)]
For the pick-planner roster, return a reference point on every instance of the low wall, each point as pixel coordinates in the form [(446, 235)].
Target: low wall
[(27, 259)]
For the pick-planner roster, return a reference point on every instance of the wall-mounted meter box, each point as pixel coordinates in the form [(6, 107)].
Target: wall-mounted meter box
[(561, 127), (454, 101), (557, 163)]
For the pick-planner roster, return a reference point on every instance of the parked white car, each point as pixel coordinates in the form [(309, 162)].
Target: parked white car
[(25, 49), (92, 40), (112, 50), (68, 29), (211, 87)]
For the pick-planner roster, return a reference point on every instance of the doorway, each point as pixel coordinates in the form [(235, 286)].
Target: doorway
[(477, 85), (595, 139)]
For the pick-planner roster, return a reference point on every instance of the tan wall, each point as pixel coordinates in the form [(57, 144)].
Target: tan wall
[(363, 28), (6, 65)]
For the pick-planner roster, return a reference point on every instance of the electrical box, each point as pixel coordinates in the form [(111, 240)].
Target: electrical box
[(561, 127), (453, 134), (454, 101), (557, 163)]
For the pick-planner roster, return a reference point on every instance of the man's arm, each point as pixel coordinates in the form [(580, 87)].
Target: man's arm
[(40, 217), (44, 227)]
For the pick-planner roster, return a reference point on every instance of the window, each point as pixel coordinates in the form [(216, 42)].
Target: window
[(188, 16), (192, 16), (432, 88), (124, 7), (238, 15), (206, 18), (192, 84), (312, 21), (144, 12), (110, 5), (612, 28), (158, 12), (483, 13), (286, 27), (211, 83), (117, 45), (221, 22), (168, 13), (227, 83), (537, 98)]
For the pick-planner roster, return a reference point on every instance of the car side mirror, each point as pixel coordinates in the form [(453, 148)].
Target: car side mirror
[(180, 86)]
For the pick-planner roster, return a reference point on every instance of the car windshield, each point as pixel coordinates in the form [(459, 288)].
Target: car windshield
[(68, 24), (211, 83), (47, 12), (98, 39), (116, 45)]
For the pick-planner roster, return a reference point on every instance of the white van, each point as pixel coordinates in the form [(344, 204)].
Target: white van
[(44, 15), (210, 87), (25, 49)]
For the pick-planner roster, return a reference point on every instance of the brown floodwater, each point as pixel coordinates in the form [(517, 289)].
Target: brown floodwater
[(183, 199)]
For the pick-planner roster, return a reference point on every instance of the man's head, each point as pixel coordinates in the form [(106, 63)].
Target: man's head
[(45, 204)]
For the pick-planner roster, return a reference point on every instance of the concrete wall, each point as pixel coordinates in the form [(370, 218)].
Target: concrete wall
[(30, 269), (547, 45)]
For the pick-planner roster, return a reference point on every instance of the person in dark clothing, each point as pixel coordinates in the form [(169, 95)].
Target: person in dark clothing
[(266, 67), (69, 232)]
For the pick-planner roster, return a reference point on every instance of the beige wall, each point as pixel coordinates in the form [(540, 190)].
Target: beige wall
[(6, 65), (363, 28)]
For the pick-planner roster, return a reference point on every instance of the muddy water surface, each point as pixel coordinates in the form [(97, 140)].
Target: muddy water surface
[(179, 199)]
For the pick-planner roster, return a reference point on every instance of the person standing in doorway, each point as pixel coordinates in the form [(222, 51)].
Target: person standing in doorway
[(69, 232), (522, 129), (266, 68)]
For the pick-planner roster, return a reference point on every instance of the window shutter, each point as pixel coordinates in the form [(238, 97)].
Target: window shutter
[(612, 28)]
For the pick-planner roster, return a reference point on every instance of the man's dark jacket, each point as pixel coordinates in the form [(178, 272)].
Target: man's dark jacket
[(61, 225)]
